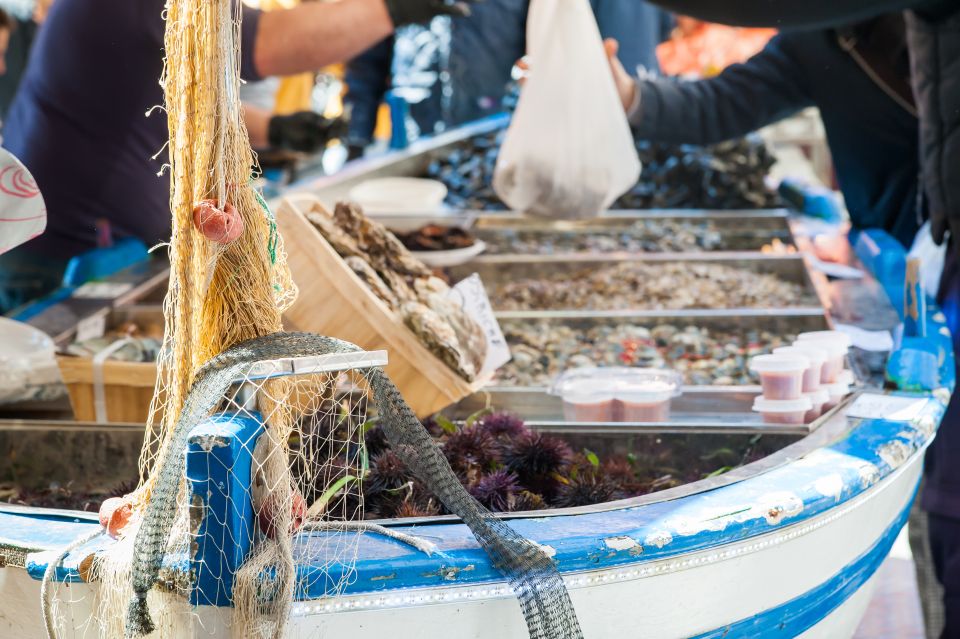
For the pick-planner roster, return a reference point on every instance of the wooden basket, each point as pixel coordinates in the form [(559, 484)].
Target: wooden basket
[(127, 389), (334, 301)]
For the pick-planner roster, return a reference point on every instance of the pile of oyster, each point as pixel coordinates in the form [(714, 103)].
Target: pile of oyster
[(406, 285), (542, 350), (650, 285)]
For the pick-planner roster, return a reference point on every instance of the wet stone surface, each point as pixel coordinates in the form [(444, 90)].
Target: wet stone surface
[(542, 350)]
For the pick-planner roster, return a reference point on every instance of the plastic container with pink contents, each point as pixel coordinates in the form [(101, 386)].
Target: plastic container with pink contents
[(617, 394), (835, 343), (817, 357), (783, 411), (836, 391), (818, 399), (780, 375)]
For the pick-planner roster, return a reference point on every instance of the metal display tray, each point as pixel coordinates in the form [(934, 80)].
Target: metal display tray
[(410, 162), (700, 409), (497, 269), (739, 230)]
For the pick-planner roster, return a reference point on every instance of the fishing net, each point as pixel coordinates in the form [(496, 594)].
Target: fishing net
[(254, 457)]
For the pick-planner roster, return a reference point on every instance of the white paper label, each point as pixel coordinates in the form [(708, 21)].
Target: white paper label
[(832, 269), (867, 340), (102, 290), (472, 296), (890, 407), (91, 327)]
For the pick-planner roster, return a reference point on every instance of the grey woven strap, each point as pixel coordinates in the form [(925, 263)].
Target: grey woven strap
[(532, 575)]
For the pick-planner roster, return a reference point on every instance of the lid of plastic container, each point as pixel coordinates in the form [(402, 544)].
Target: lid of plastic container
[(763, 405), (814, 353), (846, 377), (837, 389), (819, 396), (833, 347), (583, 385), (779, 363), (826, 335)]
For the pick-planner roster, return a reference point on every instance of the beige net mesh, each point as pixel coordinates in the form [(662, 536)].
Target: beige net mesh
[(218, 295)]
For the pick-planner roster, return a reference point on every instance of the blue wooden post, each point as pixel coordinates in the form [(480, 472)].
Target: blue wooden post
[(219, 462)]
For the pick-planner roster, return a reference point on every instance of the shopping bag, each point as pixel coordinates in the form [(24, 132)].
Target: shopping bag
[(569, 152)]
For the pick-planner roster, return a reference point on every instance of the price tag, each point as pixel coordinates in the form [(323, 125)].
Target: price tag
[(102, 290), (472, 296), (91, 327), (890, 407), (867, 340)]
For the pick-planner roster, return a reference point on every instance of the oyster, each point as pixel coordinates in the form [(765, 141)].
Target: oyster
[(439, 337), (369, 276)]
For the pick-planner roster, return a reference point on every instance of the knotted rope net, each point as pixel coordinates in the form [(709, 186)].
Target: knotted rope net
[(222, 314)]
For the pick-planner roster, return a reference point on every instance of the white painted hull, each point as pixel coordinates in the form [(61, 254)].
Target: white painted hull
[(683, 596)]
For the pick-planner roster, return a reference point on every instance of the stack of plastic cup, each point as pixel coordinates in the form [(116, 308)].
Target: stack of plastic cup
[(835, 379), (811, 376), (781, 376)]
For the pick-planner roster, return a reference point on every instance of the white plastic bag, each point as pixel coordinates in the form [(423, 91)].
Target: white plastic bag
[(569, 152), (932, 258)]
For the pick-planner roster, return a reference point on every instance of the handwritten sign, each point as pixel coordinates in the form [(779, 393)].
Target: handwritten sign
[(472, 296), (894, 408), (91, 327)]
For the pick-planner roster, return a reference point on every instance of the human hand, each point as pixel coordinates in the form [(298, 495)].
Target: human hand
[(419, 11), (626, 85), (305, 131)]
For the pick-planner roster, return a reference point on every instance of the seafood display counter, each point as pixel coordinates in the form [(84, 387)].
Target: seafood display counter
[(709, 521)]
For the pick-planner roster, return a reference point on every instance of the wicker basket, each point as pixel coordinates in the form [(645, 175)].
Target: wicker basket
[(127, 389), (334, 301)]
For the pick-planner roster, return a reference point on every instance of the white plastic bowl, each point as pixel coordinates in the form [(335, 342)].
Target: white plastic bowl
[(453, 257), (383, 197)]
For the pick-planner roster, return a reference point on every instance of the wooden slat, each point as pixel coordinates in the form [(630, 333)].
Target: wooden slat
[(334, 301)]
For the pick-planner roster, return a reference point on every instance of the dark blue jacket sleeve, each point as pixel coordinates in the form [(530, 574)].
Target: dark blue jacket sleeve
[(744, 97), (796, 13), (367, 79)]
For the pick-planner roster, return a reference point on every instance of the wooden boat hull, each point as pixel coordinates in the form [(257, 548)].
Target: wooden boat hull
[(788, 552)]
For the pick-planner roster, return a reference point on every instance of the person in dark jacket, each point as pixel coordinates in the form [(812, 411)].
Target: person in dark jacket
[(466, 78), (447, 77), (858, 77)]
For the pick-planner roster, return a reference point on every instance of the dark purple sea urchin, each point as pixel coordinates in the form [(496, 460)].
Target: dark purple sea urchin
[(496, 491), (502, 425), (585, 489), (470, 447), (387, 472), (533, 456)]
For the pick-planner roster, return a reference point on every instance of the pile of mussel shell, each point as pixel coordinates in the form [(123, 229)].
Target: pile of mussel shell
[(729, 175)]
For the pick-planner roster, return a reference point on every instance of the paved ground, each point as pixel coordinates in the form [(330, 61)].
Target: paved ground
[(894, 612)]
